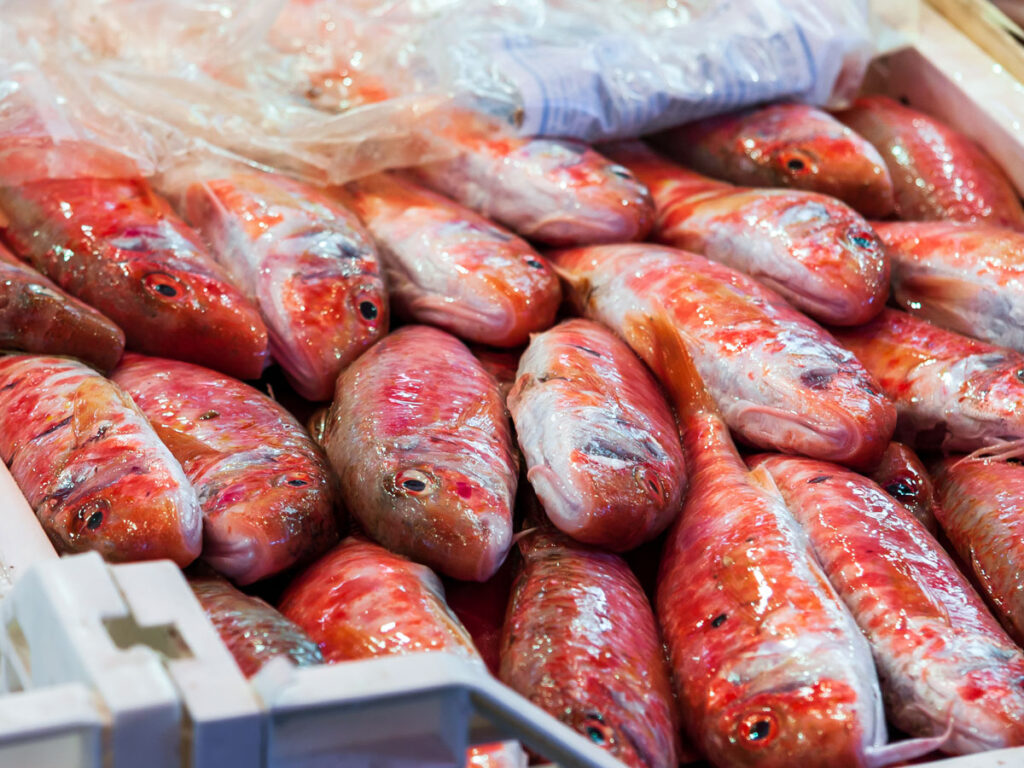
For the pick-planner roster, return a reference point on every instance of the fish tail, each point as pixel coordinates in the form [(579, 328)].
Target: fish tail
[(677, 369), (1011, 449)]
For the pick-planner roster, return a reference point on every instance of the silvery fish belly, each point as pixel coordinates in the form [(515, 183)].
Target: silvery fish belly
[(267, 492), (91, 466), (420, 439)]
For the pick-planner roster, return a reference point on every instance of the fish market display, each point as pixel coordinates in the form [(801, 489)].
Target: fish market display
[(786, 145), (37, 316), (252, 630), (598, 438), (449, 267), (360, 600), (981, 511), (305, 261), (420, 439), (952, 393), (901, 474), (770, 667), (267, 494), (580, 641), (937, 173), (966, 278), (552, 191), (116, 245), (779, 379), (91, 466), (944, 662), (821, 255)]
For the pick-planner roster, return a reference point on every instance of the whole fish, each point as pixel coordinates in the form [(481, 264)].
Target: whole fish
[(600, 442), (502, 364), (945, 664), (967, 278), (37, 316), (770, 667), (821, 255), (305, 261), (267, 493), (981, 511), (901, 474), (786, 145), (419, 437), (254, 631), (553, 191), (952, 393), (360, 601), (449, 267), (780, 380), (937, 172), (91, 466), (116, 245), (581, 642)]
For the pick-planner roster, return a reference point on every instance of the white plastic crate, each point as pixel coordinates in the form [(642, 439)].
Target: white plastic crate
[(117, 667)]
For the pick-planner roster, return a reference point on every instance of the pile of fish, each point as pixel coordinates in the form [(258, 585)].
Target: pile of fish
[(645, 475)]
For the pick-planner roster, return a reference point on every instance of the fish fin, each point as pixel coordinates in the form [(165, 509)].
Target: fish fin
[(902, 751), (673, 362), (1010, 449), (940, 287), (182, 445), (92, 405), (762, 478), (524, 533)]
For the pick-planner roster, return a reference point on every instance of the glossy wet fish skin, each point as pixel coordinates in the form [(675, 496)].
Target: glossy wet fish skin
[(504, 754), (903, 476), (449, 267), (116, 245), (785, 145), (36, 316), (580, 641), (91, 466), (980, 502), (937, 172), (269, 499), (770, 668), (419, 437), (781, 381), (821, 255), (305, 261), (952, 393), (967, 278), (944, 661), (360, 601), (599, 441), (552, 191), (254, 631)]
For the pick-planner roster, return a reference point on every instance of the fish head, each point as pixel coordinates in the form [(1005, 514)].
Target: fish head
[(593, 200), (816, 724)]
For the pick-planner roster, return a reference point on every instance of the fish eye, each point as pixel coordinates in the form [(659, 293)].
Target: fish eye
[(620, 171), (594, 728), (649, 481), (535, 263), (90, 515), (1020, 375), (368, 306), (898, 489), (797, 162), (758, 729), (863, 239), (413, 482), (164, 285), (296, 479)]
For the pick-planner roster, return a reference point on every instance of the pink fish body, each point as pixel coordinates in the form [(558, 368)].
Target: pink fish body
[(901, 474), (945, 663), (552, 191), (780, 380), (91, 466), (821, 255), (981, 511), (305, 261), (599, 440), (786, 145), (450, 267), (952, 393), (37, 316), (937, 173), (967, 278), (580, 641), (420, 440), (267, 493), (116, 245)]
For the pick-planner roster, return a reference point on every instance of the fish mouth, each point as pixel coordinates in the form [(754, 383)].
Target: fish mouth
[(238, 552), (563, 506), (486, 326), (625, 223), (838, 310)]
